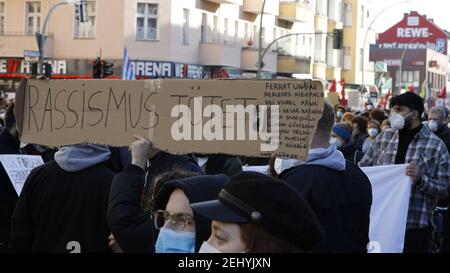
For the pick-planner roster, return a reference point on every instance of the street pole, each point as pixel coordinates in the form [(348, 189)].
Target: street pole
[(42, 38), (260, 55), (367, 34)]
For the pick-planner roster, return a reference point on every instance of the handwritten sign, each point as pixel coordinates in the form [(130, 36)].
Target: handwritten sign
[(240, 117), (353, 99), (18, 167)]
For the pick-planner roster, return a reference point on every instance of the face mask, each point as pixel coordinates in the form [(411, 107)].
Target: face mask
[(373, 132), (336, 141), (280, 165), (370, 107), (433, 125), (339, 114), (207, 248), (170, 241), (398, 122)]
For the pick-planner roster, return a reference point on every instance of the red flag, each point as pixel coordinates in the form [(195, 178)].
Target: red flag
[(443, 94), (343, 100), (333, 86)]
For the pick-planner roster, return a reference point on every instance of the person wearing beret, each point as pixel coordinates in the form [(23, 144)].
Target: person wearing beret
[(341, 136), (337, 190), (256, 213)]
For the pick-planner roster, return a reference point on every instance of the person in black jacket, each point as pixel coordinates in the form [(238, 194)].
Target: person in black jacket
[(437, 123), (341, 136), (63, 204), (135, 231), (219, 164), (9, 144), (337, 190)]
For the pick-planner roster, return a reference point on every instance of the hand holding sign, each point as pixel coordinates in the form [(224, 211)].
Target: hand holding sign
[(141, 150)]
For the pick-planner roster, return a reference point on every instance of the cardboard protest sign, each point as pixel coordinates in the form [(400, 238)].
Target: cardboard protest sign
[(18, 167), (353, 99), (333, 98), (243, 117)]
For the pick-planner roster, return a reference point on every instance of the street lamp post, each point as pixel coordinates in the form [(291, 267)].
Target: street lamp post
[(367, 34), (260, 54), (42, 38)]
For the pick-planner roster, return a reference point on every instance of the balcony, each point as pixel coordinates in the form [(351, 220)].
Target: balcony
[(333, 73), (14, 43), (321, 23), (332, 25), (293, 65), (255, 6), (224, 1), (319, 70), (220, 53), (296, 11), (249, 59)]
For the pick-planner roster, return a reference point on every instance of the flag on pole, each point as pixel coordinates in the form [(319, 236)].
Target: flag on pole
[(127, 70)]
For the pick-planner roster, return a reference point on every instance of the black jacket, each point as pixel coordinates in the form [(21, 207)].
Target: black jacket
[(351, 153), (342, 202), (58, 210), (132, 228), (8, 195), (444, 134)]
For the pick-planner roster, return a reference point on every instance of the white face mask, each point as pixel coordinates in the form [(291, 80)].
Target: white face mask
[(339, 114), (397, 121), (373, 132), (369, 107), (433, 125), (336, 141), (208, 248)]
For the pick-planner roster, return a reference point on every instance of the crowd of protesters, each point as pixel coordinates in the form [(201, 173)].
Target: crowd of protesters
[(95, 198)]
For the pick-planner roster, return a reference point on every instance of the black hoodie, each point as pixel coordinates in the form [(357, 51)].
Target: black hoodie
[(8, 195), (132, 228)]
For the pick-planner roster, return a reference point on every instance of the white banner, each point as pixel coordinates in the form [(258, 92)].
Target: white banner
[(18, 167), (391, 190)]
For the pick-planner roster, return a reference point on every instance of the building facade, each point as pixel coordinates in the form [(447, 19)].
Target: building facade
[(185, 38), (415, 52)]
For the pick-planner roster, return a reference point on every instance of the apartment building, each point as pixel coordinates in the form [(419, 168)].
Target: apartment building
[(180, 38)]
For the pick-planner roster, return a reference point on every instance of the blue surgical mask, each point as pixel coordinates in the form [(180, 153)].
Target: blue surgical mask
[(170, 241)]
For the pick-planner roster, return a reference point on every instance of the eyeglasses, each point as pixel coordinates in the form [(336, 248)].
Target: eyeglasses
[(176, 221)]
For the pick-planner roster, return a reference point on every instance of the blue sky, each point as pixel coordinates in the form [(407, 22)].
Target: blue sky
[(439, 10)]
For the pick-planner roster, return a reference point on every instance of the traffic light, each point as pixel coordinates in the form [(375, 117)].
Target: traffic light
[(107, 69), (48, 70), (97, 69), (34, 69), (338, 38)]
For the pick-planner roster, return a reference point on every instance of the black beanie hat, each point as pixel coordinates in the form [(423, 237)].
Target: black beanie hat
[(268, 202)]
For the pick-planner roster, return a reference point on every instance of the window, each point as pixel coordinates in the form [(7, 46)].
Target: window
[(236, 31), (185, 27), (347, 58), (204, 27), (330, 52), (85, 30), (225, 28), (348, 15), (146, 21), (2, 17), (216, 27), (416, 76), (247, 32), (33, 23), (255, 33), (362, 16)]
